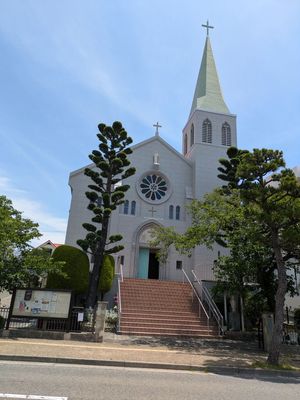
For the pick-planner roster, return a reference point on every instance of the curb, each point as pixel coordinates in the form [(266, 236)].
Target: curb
[(221, 370)]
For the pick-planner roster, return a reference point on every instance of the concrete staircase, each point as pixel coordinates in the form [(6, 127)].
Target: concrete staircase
[(167, 308)]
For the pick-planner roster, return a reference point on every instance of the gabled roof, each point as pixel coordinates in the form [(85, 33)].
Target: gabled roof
[(164, 143), (208, 95), (137, 146), (49, 243)]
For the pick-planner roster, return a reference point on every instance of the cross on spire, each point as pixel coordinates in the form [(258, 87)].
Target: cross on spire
[(157, 126), (208, 27)]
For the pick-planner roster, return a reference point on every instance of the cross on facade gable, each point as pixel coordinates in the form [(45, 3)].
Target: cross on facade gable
[(208, 27), (152, 211), (157, 126)]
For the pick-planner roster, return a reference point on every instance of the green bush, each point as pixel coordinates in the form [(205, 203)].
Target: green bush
[(106, 275), (2, 322), (76, 269)]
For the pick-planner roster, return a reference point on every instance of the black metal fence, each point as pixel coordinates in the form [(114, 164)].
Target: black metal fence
[(74, 324)]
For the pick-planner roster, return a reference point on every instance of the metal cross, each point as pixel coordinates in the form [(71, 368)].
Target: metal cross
[(152, 211), (208, 27), (157, 126)]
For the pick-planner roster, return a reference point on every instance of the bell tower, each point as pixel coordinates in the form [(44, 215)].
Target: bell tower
[(211, 128)]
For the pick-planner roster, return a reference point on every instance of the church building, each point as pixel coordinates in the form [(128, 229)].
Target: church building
[(166, 181)]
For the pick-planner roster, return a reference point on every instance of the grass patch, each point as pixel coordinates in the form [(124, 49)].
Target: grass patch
[(280, 367)]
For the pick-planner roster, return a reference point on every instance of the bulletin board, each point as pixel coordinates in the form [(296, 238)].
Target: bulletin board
[(41, 303)]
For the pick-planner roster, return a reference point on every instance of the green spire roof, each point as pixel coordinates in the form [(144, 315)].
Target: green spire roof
[(208, 95)]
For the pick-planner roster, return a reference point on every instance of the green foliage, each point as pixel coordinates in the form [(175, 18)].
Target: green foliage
[(20, 264), (272, 195), (2, 322), (257, 216), (107, 274), (75, 269), (107, 193)]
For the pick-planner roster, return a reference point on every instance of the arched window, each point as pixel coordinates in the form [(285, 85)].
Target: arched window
[(206, 131), (226, 134), (192, 135), (126, 207), (177, 212), (185, 144), (133, 206), (171, 212), (99, 202)]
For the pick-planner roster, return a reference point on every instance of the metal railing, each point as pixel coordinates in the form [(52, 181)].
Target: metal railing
[(197, 297), (212, 307), (49, 324), (120, 279)]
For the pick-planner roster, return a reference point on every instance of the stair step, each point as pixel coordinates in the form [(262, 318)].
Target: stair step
[(153, 307), (165, 326), (168, 332)]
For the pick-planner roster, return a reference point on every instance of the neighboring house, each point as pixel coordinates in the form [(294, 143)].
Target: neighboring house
[(165, 183), (49, 246)]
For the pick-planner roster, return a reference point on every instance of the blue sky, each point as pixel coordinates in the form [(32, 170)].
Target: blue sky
[(67, 65)]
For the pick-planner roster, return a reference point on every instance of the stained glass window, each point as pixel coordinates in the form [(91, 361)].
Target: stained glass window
[(153, 187)]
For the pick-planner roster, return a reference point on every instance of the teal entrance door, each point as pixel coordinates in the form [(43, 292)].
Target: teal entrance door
[(143, 263)]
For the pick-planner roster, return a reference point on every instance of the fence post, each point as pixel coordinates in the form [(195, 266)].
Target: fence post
[(11, 309), (100, 320)]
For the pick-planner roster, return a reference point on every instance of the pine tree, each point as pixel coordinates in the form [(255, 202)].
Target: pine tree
[(107, 193)]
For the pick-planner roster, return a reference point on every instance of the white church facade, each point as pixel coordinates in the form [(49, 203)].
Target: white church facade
[(165, 182)]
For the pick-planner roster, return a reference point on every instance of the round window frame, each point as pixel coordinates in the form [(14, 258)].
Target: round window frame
[(143, 197)]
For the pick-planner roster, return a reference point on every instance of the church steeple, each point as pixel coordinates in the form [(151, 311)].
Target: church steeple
[(208, 95)]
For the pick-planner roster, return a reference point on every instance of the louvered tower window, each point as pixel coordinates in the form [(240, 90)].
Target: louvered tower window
[(185, 144), (206, 131), (192, 135), (226, 134)]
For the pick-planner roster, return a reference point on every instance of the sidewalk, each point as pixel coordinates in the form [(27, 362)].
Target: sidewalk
[(121, 350)]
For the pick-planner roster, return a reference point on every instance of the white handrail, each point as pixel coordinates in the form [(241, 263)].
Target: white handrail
[(120, 279), (211, 304), (199, 300), (121, 272)]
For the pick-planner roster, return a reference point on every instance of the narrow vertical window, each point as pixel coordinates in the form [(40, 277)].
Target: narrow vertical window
[(226, 134), (192, 135), (206, 131), (171, 212), (177, 212), (133, 206), (126, 207), (185, 144)]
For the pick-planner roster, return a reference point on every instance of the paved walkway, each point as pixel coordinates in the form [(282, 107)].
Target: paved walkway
[(197, 353)]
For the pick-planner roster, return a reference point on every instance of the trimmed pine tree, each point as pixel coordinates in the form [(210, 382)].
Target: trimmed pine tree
[(107, 193)]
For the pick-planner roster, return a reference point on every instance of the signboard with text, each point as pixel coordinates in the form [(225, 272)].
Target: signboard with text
[(41, 303)]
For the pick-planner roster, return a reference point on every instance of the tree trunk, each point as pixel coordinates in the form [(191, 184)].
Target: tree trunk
[(242, 313), (98, 261), (274, 352)]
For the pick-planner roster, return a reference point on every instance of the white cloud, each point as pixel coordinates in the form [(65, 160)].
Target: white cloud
[(51, 227)]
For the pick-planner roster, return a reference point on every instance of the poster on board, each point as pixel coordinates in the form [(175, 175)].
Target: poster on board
[(41, 303)]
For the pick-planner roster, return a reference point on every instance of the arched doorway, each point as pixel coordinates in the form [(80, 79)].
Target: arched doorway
[(147, 261)]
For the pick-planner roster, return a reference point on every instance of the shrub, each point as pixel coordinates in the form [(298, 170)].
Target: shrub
[(106, 275), (76, 269)]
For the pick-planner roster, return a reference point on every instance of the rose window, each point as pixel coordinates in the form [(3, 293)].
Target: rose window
[(153, 187)]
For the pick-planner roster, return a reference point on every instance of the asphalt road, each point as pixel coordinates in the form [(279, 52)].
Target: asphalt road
[(74, 382)]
